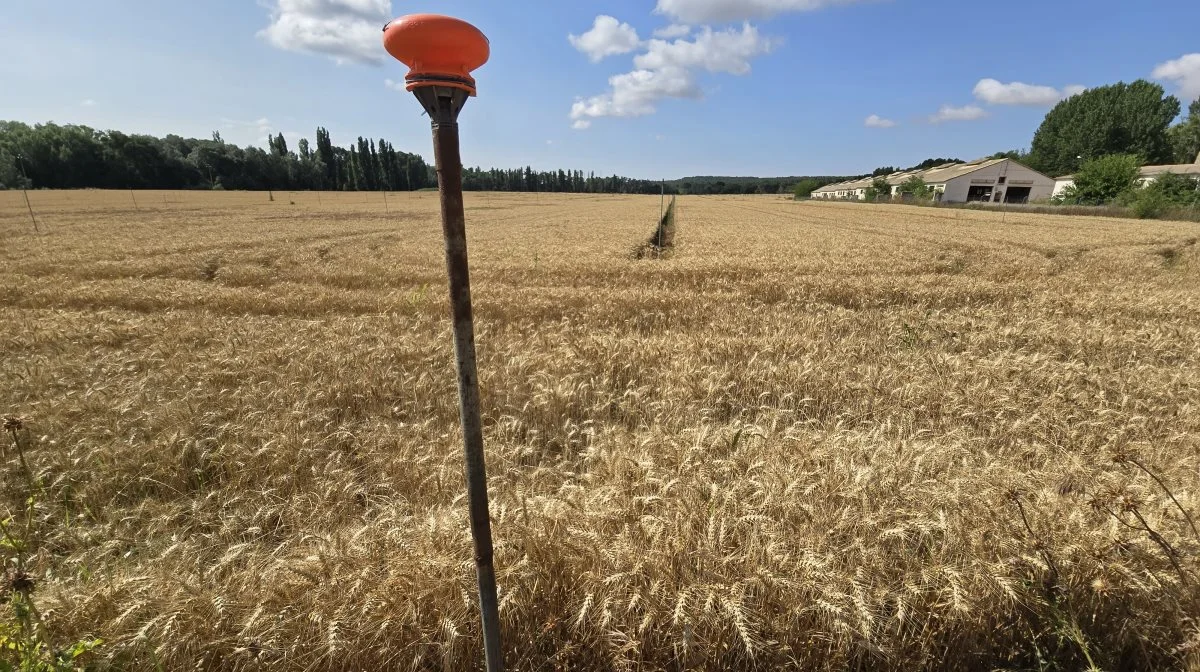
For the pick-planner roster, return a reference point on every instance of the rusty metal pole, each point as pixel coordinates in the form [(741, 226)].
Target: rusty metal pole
[(441, 52), (443, 106)]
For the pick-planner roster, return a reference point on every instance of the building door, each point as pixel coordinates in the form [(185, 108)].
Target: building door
[(1018, 195)]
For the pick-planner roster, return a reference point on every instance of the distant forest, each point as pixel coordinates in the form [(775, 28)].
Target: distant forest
[(52, 156)]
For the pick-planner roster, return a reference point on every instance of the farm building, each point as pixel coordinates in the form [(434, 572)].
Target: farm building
[(1148, 175), (984, 180)]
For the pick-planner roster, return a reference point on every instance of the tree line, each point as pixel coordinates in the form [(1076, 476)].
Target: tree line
[(559, 181), (708, 184), (52, 156)]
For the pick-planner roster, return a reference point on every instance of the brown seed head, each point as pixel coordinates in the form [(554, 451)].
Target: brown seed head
[(13, 424)]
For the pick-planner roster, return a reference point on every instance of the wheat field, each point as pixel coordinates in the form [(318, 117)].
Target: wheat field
[(820, 436)]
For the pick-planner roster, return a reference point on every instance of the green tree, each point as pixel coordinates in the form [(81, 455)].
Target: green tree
[(10, 172), (931, 163), (879, 189), (1117, 119), (1185, 136), (804, 188), (1014, 154), (1104, 180), (916, 188), (326, 157), (278, 145)]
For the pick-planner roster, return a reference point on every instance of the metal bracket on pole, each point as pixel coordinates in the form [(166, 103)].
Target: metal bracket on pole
[(442, 103)]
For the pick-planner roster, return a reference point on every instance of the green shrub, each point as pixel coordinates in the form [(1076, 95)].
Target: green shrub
[(1104, 180), (1181, 190), (879, 188), (804, 188), (1149, 204), (916, 188)]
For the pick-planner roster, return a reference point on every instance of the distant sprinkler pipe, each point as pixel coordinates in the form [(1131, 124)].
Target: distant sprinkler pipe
[(441, 52)]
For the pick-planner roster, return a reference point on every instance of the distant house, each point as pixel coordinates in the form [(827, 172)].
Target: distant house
[(984, 181), (1148, 174)]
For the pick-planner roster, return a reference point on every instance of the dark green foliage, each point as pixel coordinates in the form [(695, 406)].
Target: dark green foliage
[(916, 188), (879, 189), (1169, 192), (1104, 180), (1181, 190), (1117, 119), (924, 165), (1149, 204), (805, 187), (10, 171), (1185, 136), (569, 181), (930, 163), (708, 184), (1017, 155), (78, 157)]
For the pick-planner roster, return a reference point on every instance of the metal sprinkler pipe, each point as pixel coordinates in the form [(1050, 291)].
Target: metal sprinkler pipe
[(441, 52)]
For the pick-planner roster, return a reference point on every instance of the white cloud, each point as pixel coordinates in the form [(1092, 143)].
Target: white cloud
[(346, 30), (725, 11), (876, 121), (1184, 72), (394, 85), (716, 51), (965, 113), (634, 94), (1073, 90), (580, 124), (608, 37), (667, 69), (673, 31), (994, 92), (88, 102)]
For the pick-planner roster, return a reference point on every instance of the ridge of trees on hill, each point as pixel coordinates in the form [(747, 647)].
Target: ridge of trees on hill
[(52, 156), (924, 165), (712, 184)]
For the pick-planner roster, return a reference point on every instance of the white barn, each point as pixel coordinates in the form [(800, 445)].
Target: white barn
[(984, 181)]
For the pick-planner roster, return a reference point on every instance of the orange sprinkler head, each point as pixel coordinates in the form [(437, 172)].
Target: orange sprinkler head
[(439, 50)]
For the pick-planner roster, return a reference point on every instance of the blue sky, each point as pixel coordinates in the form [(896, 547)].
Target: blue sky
[(750, 87)]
